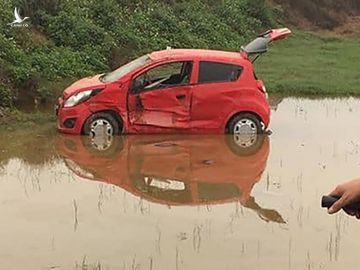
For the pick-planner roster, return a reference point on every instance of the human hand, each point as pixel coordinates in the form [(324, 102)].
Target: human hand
[(347, 193)]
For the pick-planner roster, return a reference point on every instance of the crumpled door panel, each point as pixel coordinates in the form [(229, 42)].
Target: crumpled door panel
[(159, 119), (166, 108)]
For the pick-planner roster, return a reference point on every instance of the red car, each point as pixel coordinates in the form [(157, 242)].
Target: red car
[(173, 91)]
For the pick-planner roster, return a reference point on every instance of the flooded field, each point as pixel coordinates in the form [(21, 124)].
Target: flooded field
[(183, 202)]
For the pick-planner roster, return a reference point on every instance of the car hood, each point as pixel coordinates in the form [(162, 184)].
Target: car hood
[(84, 84)]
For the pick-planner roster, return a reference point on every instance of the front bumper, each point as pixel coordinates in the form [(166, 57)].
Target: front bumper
[(71, 120)]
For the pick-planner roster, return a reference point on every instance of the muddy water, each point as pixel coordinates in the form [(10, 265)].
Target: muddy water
[(183, 202)]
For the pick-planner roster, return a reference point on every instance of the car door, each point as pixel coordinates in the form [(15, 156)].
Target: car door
[(213, 93), (161, 96)]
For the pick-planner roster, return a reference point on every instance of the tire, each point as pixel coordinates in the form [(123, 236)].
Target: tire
[(103, 123), (244, 145), (107, 147), (244, 123), (244, 137)]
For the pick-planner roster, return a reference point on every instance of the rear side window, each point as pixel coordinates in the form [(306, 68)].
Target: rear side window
[(211, 72)]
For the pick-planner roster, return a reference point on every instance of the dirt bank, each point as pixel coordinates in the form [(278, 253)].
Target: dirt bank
[(3, 115), (334, 15)]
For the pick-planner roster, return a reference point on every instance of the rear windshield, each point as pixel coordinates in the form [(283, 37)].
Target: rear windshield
[(259, 45), (126, 69)]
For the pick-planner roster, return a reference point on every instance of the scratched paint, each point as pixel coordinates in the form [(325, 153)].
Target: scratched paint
[(183, 202)]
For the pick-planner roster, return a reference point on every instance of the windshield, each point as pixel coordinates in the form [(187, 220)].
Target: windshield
[(126, 69)]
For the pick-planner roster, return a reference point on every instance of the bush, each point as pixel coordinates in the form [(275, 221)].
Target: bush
[(81, 37), (6, 96)]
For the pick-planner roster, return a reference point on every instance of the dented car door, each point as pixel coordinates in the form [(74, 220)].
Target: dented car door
[(162, 100)]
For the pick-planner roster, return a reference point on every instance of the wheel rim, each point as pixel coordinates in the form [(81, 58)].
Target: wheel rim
[(245, 133), (245, 126), (101, 127), (245, 140), (102, 143), (101, 133)]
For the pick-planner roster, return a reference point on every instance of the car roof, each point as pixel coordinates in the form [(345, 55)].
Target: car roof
[(196, 53)]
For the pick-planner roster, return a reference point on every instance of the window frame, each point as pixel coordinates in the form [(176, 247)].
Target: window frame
[(221, 63), (159, 64)]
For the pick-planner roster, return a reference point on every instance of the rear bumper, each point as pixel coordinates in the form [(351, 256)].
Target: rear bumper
[(266, 117), (71, 120)]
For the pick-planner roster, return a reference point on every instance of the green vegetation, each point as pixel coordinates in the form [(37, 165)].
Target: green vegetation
[(69, 39), (5, 96), (15, 119), (307, 64)]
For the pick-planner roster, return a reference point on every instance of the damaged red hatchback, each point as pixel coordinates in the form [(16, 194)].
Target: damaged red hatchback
[(173, 91)]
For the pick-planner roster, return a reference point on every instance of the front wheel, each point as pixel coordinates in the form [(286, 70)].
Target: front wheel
[(101, 124)]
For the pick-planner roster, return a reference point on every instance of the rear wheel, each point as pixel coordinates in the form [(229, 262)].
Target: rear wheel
[(245, 145), (101, 124), (244, 123)]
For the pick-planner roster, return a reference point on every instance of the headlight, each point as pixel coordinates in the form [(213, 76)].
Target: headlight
[(80, 97)]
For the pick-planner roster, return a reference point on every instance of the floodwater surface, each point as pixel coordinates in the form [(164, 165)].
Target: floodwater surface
[(183, 202)]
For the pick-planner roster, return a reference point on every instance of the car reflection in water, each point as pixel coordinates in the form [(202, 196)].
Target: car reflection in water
[(175, 169)]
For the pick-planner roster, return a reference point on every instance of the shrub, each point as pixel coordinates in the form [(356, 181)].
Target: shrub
[(6, 96), (81, 37)]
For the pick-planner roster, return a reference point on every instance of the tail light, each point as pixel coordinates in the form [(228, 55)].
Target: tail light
[(261, 87)]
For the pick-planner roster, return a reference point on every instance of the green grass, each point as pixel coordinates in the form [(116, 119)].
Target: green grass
[(309, 64), (15, 120), (60, 47)]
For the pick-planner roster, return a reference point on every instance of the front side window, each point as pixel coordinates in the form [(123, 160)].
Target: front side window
[(163, 76), (211, 72)]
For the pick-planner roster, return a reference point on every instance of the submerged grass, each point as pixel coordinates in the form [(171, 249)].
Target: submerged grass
[(312, 64), (14, 120), (33, 143)]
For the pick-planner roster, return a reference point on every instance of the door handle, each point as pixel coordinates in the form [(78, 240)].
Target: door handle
[(181, 97)]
